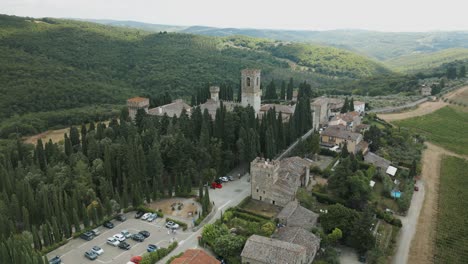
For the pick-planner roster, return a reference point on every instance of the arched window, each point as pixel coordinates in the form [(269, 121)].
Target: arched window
[(248, 81)]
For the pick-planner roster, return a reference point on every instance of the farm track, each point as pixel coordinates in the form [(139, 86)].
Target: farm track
[(422, 109)]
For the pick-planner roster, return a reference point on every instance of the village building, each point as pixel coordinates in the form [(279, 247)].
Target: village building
[(359, 106), (335, 105), (286, 110), (276, 182), (302, 237), (294, 215), (173, 109), (264, 250), (379, 162), (133, 104), (349, 120), (425, 90), (340, 135), (320, 112), (250, 93), (195, 256)]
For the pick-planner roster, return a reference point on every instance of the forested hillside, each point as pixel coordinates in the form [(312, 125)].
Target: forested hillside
[(51, 64)]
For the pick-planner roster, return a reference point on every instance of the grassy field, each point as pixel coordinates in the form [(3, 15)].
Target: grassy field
[(446, 127), (451, 241)]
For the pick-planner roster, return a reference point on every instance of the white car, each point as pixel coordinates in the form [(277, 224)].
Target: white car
[(126, 234), (113, 241), (145, 216), (152, 217), (119, 237), (97, 250), (224, 179), (172, 225)]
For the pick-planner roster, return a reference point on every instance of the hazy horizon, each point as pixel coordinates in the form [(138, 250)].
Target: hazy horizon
[(371, 15)]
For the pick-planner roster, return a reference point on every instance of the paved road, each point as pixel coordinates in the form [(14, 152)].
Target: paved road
[(409, 222), (398, 108), (230, 195)]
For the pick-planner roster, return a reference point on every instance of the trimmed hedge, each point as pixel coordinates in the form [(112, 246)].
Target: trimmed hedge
[(183, 225), (174, 257), (153, 257), (249, 217), (240, 210), (327, 199)]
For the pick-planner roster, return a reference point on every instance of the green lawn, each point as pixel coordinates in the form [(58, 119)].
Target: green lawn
[(447, 127), (451, 241)]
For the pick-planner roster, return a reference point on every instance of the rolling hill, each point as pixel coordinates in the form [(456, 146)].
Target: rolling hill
[(379, 45), (54, 64), (425, 61)]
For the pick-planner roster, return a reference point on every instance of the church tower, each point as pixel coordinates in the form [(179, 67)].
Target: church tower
[(250, 87)]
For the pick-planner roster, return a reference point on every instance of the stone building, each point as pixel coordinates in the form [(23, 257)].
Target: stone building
[(265, 250), (276, 182), (425, 90), (133, 104), (250, 91), (320, 111), (286, 110), (294, 215), (339, 135)]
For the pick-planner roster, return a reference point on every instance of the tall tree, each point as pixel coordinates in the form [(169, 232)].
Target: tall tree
[(289, 92), (283, 90)]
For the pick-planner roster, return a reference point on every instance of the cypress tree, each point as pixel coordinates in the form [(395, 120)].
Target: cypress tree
[(283, 90), (85, 214), (289, 92), (68, 145), (41, 160), (76, 221)]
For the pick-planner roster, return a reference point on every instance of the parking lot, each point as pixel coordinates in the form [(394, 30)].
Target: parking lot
[(73, 251)]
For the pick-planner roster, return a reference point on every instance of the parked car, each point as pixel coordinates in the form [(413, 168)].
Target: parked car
[(119, 237), (221, 259), (136, 259), (124, 245), (87, 236), (144, 233), (108, 224), (113, 241), (152, 217), (230, 178), (90, 255), (121, 217), (224, 179), (55, 260), (139, 214), (96, 232), (98, 250), (172, 225), (215, 185), (125, 233), (151, 248), (416, 188), (138, 237), (145, 216)]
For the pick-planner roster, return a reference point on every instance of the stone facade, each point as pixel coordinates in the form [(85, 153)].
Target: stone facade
[(320, 111), (250, 86), (276, 182), (339, 135), (425, 90), (264, 250), (135, 103)]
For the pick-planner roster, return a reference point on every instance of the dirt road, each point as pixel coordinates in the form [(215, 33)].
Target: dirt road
[(415, 243), (424, 108)]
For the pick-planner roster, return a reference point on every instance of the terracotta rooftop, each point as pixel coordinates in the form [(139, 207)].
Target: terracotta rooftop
[(195, 256), (137, 99), (340, 132)]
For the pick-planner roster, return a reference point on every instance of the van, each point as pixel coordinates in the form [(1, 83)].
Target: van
[(96, 232)]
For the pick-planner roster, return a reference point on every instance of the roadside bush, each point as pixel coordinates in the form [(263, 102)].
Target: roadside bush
[(174, 257), (183, 225), (327, 199), (327, 152), (240, 210), (153, 257), (53, 247), (229, 245)]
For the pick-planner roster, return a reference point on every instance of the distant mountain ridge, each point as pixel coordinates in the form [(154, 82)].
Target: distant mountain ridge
[(379, 45)]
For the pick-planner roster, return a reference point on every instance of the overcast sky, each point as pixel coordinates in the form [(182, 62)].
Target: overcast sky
[(383, 15)]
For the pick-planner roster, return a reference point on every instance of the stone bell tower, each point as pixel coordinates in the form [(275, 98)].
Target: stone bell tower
[(250, 87)]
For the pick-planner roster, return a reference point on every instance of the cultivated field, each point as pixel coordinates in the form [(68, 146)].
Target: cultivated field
[(451, 238), (447, 127)]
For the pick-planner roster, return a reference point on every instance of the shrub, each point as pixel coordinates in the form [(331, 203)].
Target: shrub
[(325, 198), (153, 257), (53, 247)]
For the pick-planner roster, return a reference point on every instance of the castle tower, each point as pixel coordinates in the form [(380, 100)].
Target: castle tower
[(135, 103), (250, 87), (264, 174), (214, 91)]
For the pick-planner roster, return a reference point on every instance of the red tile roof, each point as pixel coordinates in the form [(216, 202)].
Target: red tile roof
[(195, 256), (137, 99)]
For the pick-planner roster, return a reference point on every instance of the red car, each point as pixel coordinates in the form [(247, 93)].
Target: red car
[(136, 259), (215, 185)]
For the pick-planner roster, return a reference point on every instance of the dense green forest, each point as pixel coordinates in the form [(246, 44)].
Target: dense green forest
[(51, 191), (375, 44), (53, 64)]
